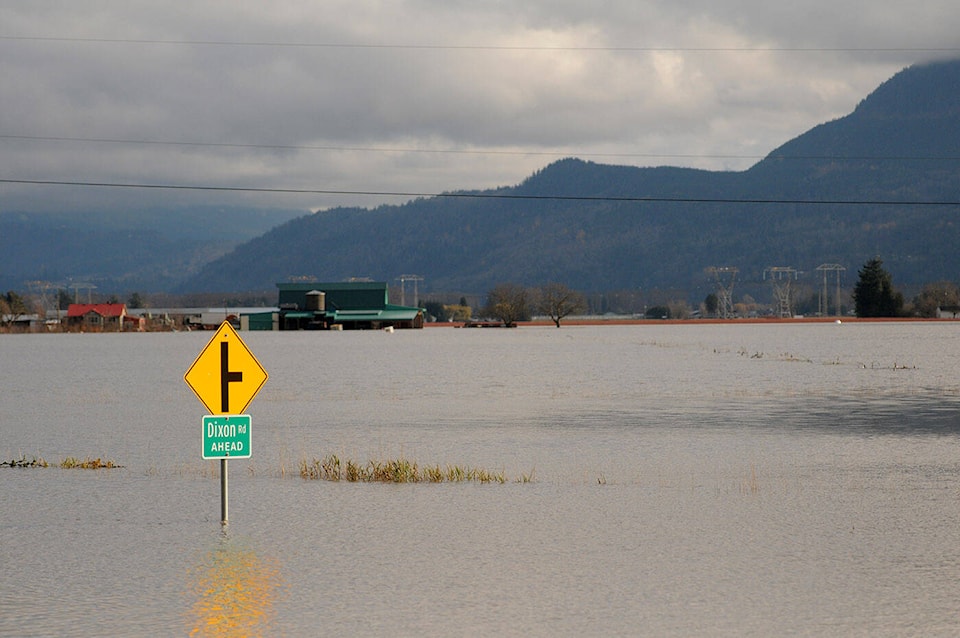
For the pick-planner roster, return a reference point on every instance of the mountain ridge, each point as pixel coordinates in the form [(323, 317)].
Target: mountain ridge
[(591, 226), (600, 227)]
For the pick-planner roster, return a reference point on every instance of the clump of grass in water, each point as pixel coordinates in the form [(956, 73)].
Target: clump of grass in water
[(72, 463), (23, 461), (401, 470), (69, 463)]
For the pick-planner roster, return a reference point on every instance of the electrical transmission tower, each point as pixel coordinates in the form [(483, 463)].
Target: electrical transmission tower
[(781, 277), (824, 294), (403, 288), (42, 288), (77, 287), (725, 277)]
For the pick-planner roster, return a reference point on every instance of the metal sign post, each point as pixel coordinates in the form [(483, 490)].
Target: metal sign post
[(223, 492), (226, 437)]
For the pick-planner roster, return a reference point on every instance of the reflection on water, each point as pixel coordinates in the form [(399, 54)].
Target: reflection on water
[(235, 590)]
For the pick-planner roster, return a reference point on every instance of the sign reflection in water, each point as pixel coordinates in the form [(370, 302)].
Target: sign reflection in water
[(234, 591)]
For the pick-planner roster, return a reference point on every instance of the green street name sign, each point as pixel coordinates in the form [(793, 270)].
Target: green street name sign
[(226, 436)]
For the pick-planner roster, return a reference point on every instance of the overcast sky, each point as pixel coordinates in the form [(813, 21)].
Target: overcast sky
[(421, 96)]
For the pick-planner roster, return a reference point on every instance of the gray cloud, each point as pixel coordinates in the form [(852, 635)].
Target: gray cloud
[(421, 95)]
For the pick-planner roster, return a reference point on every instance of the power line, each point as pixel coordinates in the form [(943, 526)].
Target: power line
[(476, 47), (487, 195)]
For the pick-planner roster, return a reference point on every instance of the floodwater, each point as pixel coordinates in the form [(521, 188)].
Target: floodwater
[(711, 480)]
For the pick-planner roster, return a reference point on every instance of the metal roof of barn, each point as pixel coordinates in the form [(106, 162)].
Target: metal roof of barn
[(344, 295), (392, 314)]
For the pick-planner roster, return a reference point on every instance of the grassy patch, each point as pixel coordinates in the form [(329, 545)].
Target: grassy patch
[(23, 461), (400, 470), (69, 463), (72, 463)]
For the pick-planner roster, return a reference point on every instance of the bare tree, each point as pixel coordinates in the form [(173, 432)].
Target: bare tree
[(12, 308), (508, 303), (557, 302), (940, 294)]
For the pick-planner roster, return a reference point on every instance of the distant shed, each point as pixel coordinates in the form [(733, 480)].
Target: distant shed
[(269, 320)]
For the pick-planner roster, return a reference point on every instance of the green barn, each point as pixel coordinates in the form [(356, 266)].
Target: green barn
[(351, 305)]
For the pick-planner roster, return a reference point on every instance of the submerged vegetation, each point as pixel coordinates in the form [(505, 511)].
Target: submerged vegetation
[(69, 463), (334, 468), (400, 470), (23, 461)]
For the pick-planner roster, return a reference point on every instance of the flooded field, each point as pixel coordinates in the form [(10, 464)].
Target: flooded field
[(660, 480)]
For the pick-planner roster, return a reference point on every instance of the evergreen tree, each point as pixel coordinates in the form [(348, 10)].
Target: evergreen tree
[(64, 299), (711, 303), (874, 295)]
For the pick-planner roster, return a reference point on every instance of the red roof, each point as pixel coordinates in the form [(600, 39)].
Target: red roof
[(102, 309)]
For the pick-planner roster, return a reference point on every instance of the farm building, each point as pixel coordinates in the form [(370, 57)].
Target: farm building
[(354, 305), (101, 316)]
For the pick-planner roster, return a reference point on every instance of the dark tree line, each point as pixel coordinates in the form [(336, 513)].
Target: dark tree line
[(874, 296)]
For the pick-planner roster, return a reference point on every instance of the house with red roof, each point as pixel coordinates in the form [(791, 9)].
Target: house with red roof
[(100, 317)]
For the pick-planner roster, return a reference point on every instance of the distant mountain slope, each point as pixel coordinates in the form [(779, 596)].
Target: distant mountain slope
[(142, 250), (900, 141), (569, 222)]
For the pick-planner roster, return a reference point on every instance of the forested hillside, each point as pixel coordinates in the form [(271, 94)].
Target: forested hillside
[(846, 191), (146, 250), (882, 181)]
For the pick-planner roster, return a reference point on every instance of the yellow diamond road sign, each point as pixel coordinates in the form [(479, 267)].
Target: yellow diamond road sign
[(226, 376)]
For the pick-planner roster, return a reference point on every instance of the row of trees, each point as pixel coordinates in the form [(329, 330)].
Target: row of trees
[(511, 303), (873, 295)]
